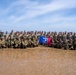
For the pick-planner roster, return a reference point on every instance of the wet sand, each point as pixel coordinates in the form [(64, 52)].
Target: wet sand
[(37, 61)]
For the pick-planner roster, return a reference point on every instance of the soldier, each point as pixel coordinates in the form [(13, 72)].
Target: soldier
[(70, 44), (64, 36), (30, 43), (60, 43), (74, 44), (0, 43), (55, 36), (22, 44), (26, 42), (65, 44), (3, 43), (16, 43), (55, 43), (74, 36), (34, 42), (1, 33), (7, 43)]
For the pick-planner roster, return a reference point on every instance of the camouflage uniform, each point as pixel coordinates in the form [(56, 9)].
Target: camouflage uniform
[(26, 42), (30, 44), (22, 44), (74, 44), (70, 44), (55, 43), (16, 43), (3, 43), (34, 42), (0, 44), (65, 44), (7, 43), (60, 43)]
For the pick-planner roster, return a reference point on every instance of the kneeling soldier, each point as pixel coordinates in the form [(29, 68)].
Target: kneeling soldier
[(16, 43), (2, 43), (22, 44)]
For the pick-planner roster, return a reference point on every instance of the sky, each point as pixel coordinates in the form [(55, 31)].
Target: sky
[(38, 15)]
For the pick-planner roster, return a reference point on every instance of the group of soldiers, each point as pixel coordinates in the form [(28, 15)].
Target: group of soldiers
[(18, 40), (66, 40), (23, 39)]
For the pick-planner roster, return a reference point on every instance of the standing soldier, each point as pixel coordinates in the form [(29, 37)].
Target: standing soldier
[(60, 44), (55, 43), (70, 44), (0, 43), (74, 44), (65, 44), (7, 43), (64, 36)]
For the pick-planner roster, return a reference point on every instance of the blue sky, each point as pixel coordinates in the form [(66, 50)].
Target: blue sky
[(46, 15)]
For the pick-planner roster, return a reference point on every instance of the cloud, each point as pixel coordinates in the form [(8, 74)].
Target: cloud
[(33, 9), (25, 11)]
